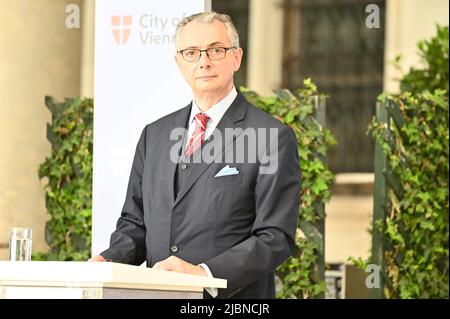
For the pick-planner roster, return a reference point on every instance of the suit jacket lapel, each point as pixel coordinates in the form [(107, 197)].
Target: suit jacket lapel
[(234, 114), (180, 122)]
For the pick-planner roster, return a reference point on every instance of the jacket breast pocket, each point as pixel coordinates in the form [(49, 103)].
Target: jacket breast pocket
[(224, 180)]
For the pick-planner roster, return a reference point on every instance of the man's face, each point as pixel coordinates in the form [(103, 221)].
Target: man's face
[(205, 75)]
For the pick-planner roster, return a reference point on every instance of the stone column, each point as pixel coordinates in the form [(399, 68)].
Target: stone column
[(407, 22), (265, 45), (38, 56)]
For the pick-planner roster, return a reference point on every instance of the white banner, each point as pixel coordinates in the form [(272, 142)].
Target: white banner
[(136, 82)]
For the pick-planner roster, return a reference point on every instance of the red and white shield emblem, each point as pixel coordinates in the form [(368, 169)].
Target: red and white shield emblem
[(121, 28)]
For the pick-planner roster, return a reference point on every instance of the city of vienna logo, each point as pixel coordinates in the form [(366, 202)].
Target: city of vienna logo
[(121, 28)]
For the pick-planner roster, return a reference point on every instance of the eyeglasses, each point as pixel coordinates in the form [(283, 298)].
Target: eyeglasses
[(214, 54)]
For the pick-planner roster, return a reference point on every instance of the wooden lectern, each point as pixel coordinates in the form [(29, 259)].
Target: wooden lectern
[(97, 280)]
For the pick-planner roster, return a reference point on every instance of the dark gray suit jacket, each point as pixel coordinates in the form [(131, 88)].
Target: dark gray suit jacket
[(242, 226)]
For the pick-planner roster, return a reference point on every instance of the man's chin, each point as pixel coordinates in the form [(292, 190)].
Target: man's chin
[(206, 87)]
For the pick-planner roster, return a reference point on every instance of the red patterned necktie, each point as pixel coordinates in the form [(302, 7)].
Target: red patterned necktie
[(198, 137)]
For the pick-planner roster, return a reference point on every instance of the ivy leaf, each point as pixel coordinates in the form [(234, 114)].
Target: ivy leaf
[(319, 186), (290, 117)]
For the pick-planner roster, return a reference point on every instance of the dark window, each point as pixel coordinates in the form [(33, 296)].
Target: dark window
[(328, 41)]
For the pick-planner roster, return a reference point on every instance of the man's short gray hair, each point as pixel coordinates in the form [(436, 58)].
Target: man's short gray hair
[(209, 17)]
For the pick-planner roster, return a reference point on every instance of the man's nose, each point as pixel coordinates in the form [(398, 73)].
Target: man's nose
[(204, 61)]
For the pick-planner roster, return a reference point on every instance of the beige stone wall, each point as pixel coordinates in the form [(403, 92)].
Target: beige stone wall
[(38, 56), (87, 48), (265, 46), (349, 216), (347, 227), (407, 22)]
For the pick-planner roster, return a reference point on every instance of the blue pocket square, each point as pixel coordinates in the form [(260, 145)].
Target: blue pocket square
[(227, 171)]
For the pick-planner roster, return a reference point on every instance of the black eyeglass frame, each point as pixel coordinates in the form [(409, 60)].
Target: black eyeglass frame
[(206, 51)]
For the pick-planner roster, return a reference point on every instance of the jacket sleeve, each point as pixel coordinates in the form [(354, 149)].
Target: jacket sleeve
[(127, 244), (272, 238)]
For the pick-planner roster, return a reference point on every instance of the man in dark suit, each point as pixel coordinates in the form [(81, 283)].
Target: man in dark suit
[(214, 187)]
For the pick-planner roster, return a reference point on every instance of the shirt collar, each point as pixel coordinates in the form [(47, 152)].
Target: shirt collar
[(216, 111)]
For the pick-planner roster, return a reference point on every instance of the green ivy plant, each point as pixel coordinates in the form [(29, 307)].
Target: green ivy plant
[(415, 143), (416, 234), (433, 75), (67, 174), (300, 275)]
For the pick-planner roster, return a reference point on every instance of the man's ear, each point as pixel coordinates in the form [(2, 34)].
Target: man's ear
[(238, 58)]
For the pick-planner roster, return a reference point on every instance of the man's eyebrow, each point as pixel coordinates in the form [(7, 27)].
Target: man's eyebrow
[(216, 43)]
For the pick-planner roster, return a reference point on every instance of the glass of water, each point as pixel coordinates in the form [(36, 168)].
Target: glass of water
[(20, 244)]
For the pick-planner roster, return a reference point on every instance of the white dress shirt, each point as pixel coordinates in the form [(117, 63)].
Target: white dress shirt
[(215, 114)]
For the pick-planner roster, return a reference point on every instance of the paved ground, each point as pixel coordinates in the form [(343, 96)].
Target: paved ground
[(346, 227)]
